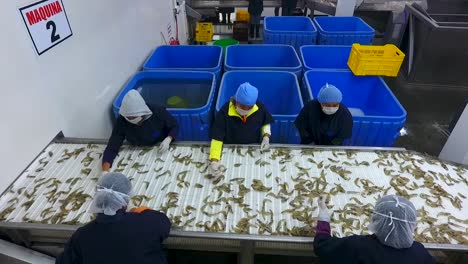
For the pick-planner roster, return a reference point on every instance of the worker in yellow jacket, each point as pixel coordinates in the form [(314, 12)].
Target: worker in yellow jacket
[(242, 120)]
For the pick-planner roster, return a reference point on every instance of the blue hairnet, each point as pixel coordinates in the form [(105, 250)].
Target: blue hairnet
[(393, 221), (247, 94), (329, 94), (112, 194)]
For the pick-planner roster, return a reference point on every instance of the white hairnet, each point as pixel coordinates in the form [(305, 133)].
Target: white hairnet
[(112, 194), (393, 221), (134, 105)]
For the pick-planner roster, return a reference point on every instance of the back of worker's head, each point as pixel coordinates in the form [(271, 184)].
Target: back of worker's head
[(394, 221), (133, 105), (246, 94), (112, 194)]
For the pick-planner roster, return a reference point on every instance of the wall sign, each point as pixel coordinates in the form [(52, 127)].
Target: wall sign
[(47, 24)]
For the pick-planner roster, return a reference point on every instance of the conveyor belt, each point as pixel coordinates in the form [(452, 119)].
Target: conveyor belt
[(65, 174)]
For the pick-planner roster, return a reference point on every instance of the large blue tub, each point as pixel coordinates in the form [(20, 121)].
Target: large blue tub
[(290, 30), (192, 94), (186, 58), (325, 57), (377, 114), (279, 91), (343, 31), (263, 57)]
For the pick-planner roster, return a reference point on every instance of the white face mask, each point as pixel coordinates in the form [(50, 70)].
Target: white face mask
[(242, 112), (330, 110), (135, 121)]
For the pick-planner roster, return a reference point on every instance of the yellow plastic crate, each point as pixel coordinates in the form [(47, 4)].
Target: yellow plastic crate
[(204, 32), (242, 16), (375, 60)]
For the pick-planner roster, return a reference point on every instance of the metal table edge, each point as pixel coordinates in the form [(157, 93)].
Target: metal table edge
[(212, 235), (70, 140)]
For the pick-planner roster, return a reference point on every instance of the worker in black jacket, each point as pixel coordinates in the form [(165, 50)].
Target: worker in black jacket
[(242, 120), (141, 125), (393, 222), (288, 7), (117, 236), (325, 121), (255, 10)]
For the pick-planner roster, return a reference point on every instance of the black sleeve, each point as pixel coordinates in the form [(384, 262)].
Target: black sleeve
[(218, 130), (115, 141), (301, 124), (268, 118), (346, 130), (71, 253), (163, 224), (428, 259), (423, 253), (170, 123), (333, 249)]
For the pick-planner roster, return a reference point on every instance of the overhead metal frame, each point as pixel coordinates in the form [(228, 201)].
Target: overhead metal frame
[(202, 4)]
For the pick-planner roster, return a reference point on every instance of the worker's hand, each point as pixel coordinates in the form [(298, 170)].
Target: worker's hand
[(324, 214), (216, 168), (164, 146), (105, 167), (265, 144)]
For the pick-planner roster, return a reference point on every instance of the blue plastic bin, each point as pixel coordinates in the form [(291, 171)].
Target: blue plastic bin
[(378, 116), (194, 93), (325, 57), (263, 57), (279, 91), (343, 31), (294, 30), (186, 58)]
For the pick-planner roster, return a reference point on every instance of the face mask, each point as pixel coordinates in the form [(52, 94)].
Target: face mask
[(329, 110), (135, 121), (242, 112)]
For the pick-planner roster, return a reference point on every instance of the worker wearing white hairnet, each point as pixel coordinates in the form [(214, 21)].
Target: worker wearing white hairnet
[(116, 236), (140, 124), (242, 120), (393, 222), (326, 120)]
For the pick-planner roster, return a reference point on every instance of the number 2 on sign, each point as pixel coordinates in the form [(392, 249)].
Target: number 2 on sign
[(53, 37)]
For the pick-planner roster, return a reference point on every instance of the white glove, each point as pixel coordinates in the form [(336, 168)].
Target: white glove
[(104, 173), (164, 146), (265, 144), (324, 214), (215, 168)]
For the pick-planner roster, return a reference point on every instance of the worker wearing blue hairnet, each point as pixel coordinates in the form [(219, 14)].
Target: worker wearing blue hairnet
[(140, 124), (242, 120), (325, 121), (393, 222), (117, 236)]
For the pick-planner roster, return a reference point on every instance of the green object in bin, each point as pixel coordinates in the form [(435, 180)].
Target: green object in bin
[(177, 102), (225, 43)]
